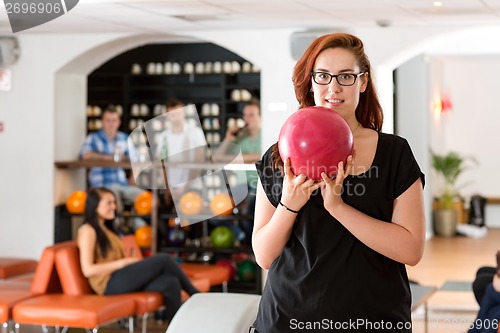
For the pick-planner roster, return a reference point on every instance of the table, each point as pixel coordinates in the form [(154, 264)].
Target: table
[(419, 296)]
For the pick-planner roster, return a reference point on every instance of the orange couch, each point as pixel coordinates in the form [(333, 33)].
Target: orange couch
[(46, 305), (74, 283), (44, 281)]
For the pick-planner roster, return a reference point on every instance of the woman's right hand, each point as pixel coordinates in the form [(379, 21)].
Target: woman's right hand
[(297, 189), (128, 261), (231, 133)]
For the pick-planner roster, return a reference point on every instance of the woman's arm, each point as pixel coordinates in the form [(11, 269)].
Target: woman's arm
[(251, 157), (273, 226), (86, 240), (402, 240)]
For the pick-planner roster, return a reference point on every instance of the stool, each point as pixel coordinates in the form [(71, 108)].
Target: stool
[(216, 275), (10, 267)]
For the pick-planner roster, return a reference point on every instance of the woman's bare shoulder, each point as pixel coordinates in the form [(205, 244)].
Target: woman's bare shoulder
[(86, 230)]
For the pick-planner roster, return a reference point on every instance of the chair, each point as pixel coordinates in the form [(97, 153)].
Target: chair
[(217, 275), (216, 313), (74, 283), (47, 306)]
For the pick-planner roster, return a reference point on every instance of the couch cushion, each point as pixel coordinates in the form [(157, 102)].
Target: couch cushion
[(85, 311), (10, 267), (73, 281), (7, 300), (215, 274)]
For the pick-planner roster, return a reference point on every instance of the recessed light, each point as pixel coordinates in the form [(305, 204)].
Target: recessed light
[(437, 3)]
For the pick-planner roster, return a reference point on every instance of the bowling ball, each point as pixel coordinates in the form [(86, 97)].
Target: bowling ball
[(239, 257), (143, 203), (315, 139), (247, 271), (143, 236), (191, 203), (176, 237), (222, 236), (221, 204), (229, 265), (75, 204)]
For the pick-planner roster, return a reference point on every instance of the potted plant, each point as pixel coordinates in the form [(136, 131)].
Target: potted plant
[(449, 166)]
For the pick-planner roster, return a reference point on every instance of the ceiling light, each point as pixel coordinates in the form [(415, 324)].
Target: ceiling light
[(437, 3)]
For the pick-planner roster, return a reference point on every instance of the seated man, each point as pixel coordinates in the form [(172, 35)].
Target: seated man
[(180, 143), (110, 144)]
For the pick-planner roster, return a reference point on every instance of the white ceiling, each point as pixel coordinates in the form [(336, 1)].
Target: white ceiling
[(161, 16)]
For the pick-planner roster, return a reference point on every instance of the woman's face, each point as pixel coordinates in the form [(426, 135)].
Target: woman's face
[(107, 207), (343, 99)]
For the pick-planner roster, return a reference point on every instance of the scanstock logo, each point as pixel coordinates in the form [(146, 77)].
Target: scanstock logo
[(26, 14)]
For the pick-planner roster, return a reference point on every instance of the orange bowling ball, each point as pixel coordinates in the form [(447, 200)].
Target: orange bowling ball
[(75, 204), (221, 204), (143, 204), (143, 236), (191, 203)]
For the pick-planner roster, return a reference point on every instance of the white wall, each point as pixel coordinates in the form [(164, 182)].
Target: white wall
[(472, 126), (27, 143), (42, 114), (412, 115)]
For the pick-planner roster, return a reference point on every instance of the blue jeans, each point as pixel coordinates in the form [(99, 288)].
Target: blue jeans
[(157, 273)]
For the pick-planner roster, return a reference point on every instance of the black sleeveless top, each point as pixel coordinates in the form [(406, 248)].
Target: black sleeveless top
[(326, 280)]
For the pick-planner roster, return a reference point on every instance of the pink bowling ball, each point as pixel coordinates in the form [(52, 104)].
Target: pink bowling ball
[(315, 139)]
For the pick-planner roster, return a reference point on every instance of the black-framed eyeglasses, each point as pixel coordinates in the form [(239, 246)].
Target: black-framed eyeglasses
[(344, 79)]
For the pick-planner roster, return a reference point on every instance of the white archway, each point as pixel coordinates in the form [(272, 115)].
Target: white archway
[(71, 100)]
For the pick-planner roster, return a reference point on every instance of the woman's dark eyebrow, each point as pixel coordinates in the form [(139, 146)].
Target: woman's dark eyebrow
[(347, 70)]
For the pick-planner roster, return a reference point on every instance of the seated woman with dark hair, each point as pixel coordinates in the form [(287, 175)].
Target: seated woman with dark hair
[(110, 271)]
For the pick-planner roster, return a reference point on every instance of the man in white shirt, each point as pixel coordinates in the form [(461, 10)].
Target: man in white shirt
[(180, 143)]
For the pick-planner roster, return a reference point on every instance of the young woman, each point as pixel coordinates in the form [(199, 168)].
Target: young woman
[(336, 250), (110, 271)]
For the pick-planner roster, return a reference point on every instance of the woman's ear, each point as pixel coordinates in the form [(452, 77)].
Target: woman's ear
[(364, 83)]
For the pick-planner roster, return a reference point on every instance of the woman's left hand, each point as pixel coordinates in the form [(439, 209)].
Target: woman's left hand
[(332, 188)]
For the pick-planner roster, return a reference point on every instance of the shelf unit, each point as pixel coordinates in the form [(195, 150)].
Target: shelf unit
[(141, 95)]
